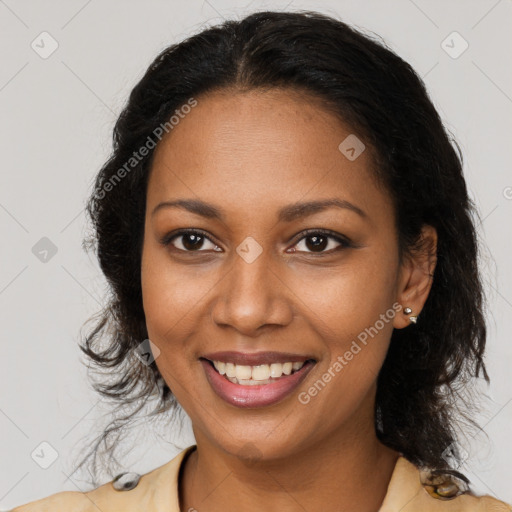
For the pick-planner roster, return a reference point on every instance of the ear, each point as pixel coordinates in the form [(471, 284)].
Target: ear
[(416, 274)]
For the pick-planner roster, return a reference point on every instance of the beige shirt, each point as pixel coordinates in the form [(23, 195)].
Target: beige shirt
[(157, 491)]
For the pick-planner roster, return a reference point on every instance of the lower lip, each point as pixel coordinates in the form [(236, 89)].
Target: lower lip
[(257, 395)]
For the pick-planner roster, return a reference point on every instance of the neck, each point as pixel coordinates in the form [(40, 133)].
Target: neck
[(342, 473)]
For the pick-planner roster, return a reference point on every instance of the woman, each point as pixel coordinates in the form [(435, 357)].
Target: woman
[(292, 254)]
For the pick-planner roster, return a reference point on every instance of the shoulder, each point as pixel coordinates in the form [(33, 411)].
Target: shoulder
[(69, 500), (414, 490), (155, 491)]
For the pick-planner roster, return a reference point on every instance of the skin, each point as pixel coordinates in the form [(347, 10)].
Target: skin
[(250, 154)]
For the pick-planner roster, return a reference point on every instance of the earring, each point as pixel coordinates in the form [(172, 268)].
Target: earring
[(408, 311)]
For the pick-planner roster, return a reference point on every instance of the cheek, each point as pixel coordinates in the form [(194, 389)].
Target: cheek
[(170, 293), (168, 303), (173, 300), (351, 296), (351, 308)]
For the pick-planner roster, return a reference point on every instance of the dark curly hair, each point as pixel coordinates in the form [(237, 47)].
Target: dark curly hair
[(356, 76)]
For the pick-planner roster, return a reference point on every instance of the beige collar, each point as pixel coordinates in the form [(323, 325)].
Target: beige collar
[(157, 491)]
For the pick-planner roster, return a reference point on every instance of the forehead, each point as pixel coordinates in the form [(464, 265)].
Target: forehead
[(265, 148)]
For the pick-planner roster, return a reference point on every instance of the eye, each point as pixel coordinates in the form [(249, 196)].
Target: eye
[(191, 240), (317, 241), (321, 241)]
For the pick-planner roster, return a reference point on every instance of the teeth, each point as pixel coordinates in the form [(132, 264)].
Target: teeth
[(261, 372), (221, 367), (277, 369), (243, 372), (230, 369), (253, 375)]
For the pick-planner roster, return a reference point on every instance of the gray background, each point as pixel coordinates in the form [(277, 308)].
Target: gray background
[(57, 115)]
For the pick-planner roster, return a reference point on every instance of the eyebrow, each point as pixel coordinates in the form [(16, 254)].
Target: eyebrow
[(286, 214)]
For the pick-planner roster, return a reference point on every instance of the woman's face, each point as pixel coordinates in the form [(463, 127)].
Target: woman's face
[(255, 283)]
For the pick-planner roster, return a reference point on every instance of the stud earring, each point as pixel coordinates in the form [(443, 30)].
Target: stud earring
[(413, 319)]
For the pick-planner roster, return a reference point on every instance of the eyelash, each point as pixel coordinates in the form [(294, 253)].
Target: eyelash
[(344, 242)]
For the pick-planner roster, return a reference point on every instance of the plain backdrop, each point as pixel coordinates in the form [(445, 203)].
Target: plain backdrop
[(60, 93)]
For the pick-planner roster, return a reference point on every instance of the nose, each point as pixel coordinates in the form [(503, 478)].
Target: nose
[(253, 295)]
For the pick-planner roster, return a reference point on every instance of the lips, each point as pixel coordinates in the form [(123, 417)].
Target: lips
[(254, 396)]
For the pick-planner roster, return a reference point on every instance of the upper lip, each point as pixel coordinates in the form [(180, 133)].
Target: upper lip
[(256, 358)]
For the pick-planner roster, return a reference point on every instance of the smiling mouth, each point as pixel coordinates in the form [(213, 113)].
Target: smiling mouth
[(257, 375)]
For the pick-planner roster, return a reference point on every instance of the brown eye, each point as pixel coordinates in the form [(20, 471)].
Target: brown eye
[(316, 243), (190, 241), (320, 242)]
